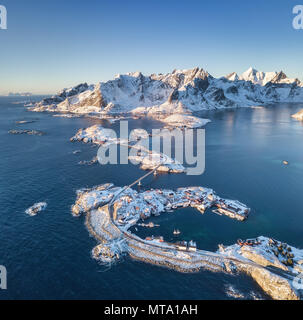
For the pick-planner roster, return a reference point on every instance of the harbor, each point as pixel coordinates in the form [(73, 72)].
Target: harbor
[(111, 211)]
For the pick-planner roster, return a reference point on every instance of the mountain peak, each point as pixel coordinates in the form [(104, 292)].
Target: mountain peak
[(232, 76), (250, 71)]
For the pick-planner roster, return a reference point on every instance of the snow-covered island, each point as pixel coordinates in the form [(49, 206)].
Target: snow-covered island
[(178, 92), (36, 208), (147, 159), (111, 211), (184, 121), (298, 115), (25, 121), (27, 131), (131, 205)]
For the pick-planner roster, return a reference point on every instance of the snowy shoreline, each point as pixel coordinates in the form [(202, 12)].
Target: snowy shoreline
[(111, 211)]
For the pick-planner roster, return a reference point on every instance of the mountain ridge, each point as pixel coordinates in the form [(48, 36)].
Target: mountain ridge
[(179, 91)]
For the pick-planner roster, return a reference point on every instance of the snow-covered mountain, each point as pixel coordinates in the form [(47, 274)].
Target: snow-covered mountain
[(181, 91), (262, 78)]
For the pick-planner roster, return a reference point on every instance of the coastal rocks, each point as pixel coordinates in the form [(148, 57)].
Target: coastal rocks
[(109, 252), (233, 292), (36, 208), (278, 287), (25, 121), (298, 115), (88, 199), (267, 252), (27, 131), (94, 160)]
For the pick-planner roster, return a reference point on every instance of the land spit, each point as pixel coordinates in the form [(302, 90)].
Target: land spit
[(111, 211)]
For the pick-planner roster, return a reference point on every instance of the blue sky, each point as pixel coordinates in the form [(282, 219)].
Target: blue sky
[(54, 44)]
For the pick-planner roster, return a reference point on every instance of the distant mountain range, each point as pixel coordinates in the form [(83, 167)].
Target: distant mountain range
[(178, 92), (20, 94)]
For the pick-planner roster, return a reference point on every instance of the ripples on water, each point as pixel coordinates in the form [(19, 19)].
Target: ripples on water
[(49, 256)]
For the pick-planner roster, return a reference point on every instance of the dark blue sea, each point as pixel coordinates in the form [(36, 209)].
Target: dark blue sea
[(49, 256)]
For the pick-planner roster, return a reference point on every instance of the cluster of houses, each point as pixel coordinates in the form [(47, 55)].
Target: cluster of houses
[(131, 205), (233, 209)]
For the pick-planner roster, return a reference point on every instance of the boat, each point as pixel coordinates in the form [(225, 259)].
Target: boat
[(285, 162), (176, 232)]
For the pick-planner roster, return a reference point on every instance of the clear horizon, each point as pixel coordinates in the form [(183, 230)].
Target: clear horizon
[(53, 45)]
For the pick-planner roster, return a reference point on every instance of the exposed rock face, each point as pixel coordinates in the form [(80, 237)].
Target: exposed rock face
[(277, 287), (94, 98), (61, 96), (262, 257), (194, 89), (266, 252)]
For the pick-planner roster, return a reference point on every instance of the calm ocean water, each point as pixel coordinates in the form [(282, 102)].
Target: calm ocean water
[(48, 256)]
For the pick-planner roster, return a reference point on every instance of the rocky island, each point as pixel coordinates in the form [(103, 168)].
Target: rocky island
[(27, 131), (36, 208), (298, 115), (148, 160)]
